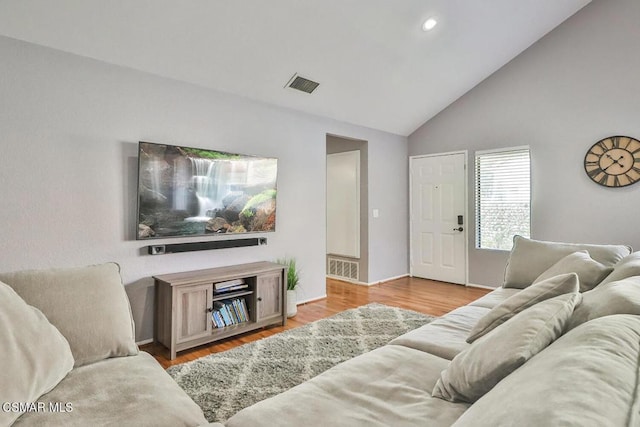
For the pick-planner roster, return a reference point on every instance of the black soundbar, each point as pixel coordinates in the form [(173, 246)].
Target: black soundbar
[(204, 246)]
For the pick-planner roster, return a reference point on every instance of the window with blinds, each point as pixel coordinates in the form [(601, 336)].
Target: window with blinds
[(503, 197)]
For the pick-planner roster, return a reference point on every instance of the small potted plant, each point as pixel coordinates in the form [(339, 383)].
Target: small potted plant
[(293, 280)]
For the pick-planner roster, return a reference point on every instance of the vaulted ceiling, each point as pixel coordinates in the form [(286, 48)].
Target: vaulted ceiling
[(375, 64)]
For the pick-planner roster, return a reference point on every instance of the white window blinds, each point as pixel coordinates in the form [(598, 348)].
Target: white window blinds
[(503, 197)]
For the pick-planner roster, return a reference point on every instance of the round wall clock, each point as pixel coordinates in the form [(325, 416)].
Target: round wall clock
[(614, 161)]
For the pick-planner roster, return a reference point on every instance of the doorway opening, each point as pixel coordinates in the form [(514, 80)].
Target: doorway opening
[(347, 207)]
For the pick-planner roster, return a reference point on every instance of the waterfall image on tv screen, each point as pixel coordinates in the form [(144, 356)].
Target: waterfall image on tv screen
[(186, 191)]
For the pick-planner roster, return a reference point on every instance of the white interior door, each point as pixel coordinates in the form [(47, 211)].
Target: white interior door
[(438, 217), (343, 204)]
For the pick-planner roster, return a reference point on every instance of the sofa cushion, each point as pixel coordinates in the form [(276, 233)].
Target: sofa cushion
[(34, 358), (492, 357), (588, 377), (389, 386), (446, 336), (589, 271), (629, 266), (494, 297), (122, 391), (88, 305), (530, 258), (621, 297), (549, 288)]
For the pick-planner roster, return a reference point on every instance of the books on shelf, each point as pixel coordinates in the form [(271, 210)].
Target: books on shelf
[(217, 320), (231, 289), (245, 310), (229, 312), (238, 309), (230, 285)]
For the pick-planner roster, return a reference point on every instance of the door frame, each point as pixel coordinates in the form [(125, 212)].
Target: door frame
[(468, 222)]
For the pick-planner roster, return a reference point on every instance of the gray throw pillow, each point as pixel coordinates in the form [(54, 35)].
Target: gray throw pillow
[(549, 288), (621, 297), (88, 305), (629, 266), (530, 258), (476, 370), (586, 378), (34, 358), (589, 271)]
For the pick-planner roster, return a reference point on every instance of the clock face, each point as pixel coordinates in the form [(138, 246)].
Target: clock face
[(614, 161)]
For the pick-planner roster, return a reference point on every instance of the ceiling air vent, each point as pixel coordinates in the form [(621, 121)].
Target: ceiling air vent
[(300, 83)]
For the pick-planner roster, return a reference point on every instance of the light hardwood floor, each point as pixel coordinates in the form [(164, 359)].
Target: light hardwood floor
[(425, 296)]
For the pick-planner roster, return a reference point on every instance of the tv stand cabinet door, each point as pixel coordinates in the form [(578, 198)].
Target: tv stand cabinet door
[(269, 296), (193, 315)]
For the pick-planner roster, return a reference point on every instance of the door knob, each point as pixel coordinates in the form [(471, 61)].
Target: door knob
[(458, 229)]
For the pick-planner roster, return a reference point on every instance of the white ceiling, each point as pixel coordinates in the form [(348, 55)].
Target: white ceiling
[(375, 65)]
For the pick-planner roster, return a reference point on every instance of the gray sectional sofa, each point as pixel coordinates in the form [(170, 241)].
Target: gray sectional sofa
[(69, 357), (557, 344)]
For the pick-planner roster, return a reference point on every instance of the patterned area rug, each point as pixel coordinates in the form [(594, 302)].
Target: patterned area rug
[(226, 382)]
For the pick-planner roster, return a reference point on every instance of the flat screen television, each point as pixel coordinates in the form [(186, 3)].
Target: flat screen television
[(184, 191)]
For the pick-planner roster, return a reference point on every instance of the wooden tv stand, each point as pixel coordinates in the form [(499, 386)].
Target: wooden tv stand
[(185, 302)]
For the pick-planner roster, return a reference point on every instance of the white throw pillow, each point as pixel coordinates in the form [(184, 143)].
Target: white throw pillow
[(34, 358), (589, 271), (546, 289), (476, 370)]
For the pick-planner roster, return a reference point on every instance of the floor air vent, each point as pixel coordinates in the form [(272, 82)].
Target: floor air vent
[(302, 84), (343, 269)]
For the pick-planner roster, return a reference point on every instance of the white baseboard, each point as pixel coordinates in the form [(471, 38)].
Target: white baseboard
[(345, 279), (389, 279), (355, 282), (473, 285), (143, 342), (312, 299)]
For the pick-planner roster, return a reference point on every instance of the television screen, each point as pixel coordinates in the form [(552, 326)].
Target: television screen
[(185, 191)]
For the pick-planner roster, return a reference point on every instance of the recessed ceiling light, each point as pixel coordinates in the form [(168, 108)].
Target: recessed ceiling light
[(429, 24)]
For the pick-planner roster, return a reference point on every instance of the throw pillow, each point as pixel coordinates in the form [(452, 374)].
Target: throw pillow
[(549, 288), (35, 356), (88, 305), (587, 377), (530, 258), (621, 297), (629, 266), (476, 370), (589, 271)]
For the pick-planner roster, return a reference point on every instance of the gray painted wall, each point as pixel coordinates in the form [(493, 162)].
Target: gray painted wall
[(575, 86), (68, 171)]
